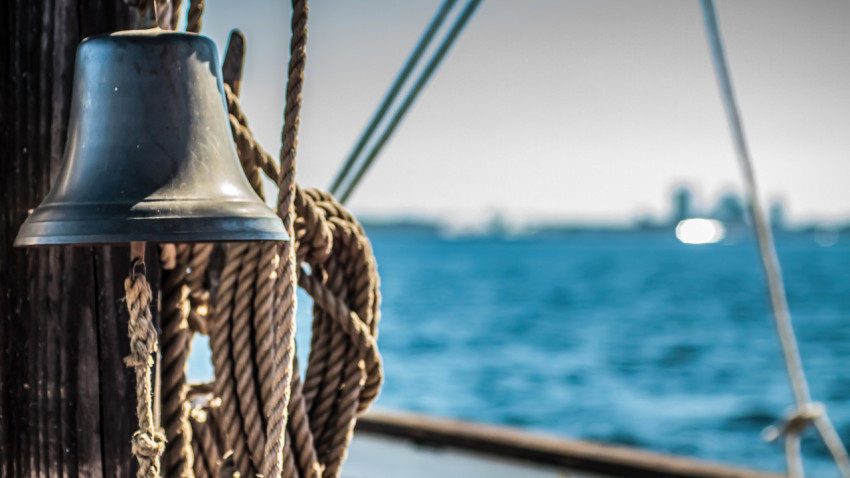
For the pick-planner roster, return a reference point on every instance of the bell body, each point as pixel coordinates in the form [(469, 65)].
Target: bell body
[(149, 155)]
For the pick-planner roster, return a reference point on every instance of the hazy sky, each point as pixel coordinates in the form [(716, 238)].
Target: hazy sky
[(562, 109)]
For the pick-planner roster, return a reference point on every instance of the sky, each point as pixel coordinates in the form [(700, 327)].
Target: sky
[(562, 110)]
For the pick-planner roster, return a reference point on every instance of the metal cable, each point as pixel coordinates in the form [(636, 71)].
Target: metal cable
[(405, 72), (435, 60)]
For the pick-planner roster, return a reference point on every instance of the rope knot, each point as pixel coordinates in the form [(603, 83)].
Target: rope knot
[(148, 444), (796, 422)]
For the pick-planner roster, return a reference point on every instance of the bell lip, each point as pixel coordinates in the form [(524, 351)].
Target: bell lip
[(168, 230), (76, 241)]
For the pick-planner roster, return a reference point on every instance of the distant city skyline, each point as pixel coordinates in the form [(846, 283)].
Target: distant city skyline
[(728, 207), (563, 110)]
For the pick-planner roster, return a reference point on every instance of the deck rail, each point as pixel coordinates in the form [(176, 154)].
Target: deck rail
[(545, 450)]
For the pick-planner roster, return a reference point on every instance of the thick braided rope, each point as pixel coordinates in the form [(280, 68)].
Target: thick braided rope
[(223, 363), (301, 442), (199, 295), (301, 447), (348, 321), (246, 386), (175, 13), (340, 389), (147, 443), (167, 12), (283, 319), (206, 440), (312, 239), (176, 343), (251, 332), (253, 338), (258, 413), (322, 380), (196, 13)]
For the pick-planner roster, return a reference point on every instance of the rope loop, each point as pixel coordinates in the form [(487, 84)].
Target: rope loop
[(138, 268), (796, 422)]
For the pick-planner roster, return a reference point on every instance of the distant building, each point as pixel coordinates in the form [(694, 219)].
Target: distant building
[(683, 203), (777, 216), (730, 209)]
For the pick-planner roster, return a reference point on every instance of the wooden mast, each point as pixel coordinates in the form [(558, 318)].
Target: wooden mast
[(66, 398)]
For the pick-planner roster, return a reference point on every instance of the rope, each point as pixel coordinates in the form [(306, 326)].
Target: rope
[(163, 14), (234, 61), (806, 412), (222, 363), (281, 350), (196, 13), (147, 443), (249, 150), (325, 233), (175, 13), (207, 442), (176, 343)]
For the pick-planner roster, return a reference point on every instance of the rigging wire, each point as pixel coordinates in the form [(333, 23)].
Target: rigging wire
[(405, 72), (806, 412), (426, 74)]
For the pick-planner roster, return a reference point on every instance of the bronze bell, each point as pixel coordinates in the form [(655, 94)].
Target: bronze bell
[(149, 155)]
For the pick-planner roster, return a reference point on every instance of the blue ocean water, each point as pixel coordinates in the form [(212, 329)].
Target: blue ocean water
[(630, 338)]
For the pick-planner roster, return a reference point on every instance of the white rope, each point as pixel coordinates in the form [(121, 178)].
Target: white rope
[(806, 413)]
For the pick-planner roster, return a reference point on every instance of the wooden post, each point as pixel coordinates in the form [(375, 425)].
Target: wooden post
[(66, 398)]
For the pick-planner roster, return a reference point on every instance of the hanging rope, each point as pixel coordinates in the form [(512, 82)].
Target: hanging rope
[(280, 354), (147, 443), (176, 343), (806, 412)]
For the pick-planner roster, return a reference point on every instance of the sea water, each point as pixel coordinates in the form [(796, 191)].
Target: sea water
[(629, 338)]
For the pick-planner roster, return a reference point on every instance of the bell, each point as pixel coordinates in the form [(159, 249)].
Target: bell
[(149, 155)]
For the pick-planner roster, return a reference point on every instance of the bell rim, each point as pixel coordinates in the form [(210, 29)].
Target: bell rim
[(160, 230)]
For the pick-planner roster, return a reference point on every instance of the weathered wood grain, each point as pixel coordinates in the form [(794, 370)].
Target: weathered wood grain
[(66, 399)]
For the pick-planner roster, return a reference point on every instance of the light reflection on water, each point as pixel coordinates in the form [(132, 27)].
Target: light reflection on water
[(700, 231)]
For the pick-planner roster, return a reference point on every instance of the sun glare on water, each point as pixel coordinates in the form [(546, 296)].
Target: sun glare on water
[(700, 231)]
